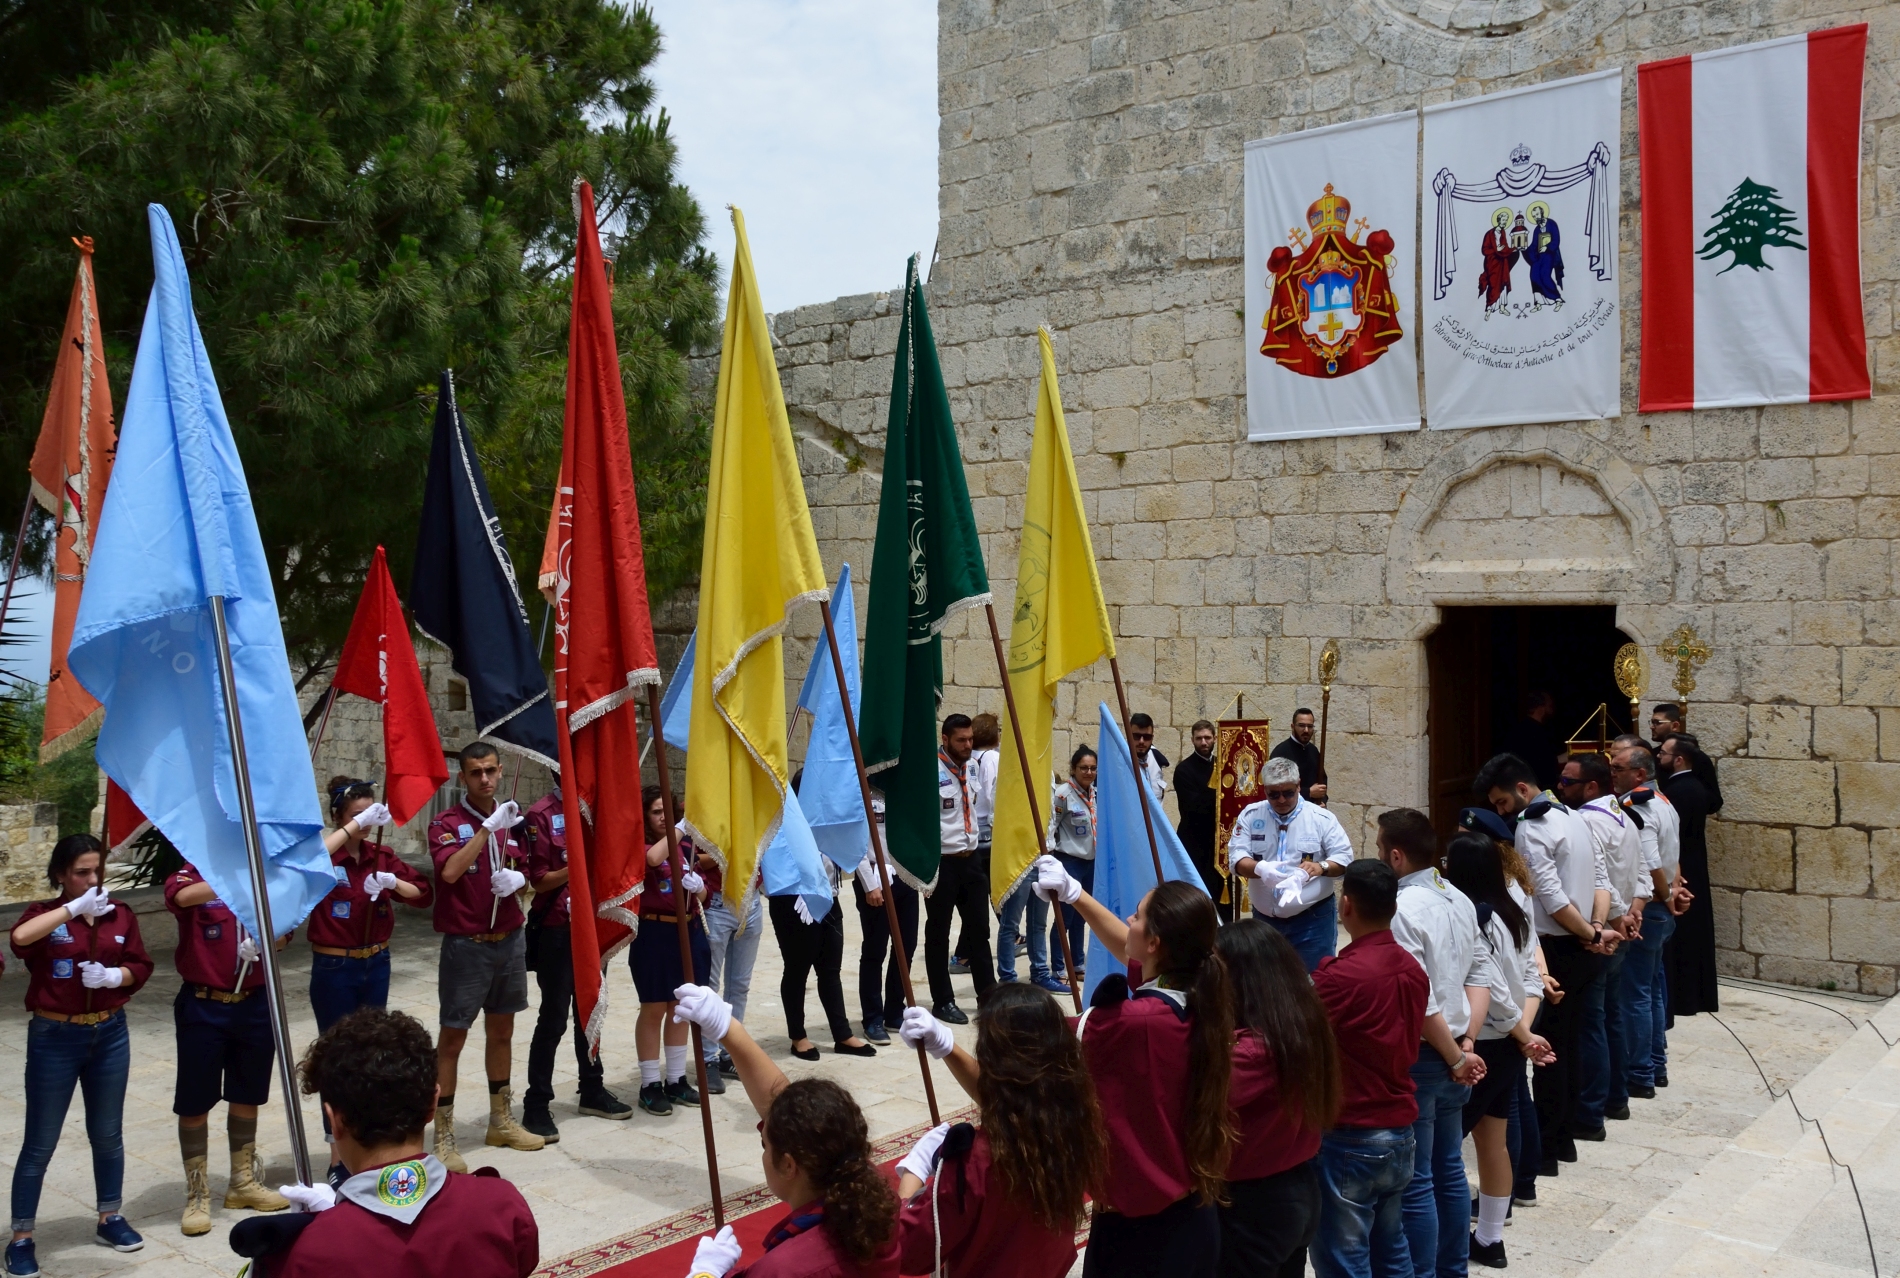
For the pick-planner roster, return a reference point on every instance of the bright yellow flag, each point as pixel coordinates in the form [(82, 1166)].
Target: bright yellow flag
[(1060, 626), (759, 562)]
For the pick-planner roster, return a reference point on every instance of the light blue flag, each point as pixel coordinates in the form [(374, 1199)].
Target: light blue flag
[(676, 707), (1124, 867), (177, 529), (829, 793)]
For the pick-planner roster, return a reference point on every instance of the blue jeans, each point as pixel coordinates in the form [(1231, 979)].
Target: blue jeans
[(1600, 1047), (733, 955), (340, 985), (58, 1055), (1645, 998), (1313, 932), (1084, 873), (1438, 1199), (1363, 1172), (1010, 933)]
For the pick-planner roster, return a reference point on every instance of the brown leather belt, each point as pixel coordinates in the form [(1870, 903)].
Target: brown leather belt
[(490, 938), (367, 951), (80, 1018), (221, 996), (670, 918)]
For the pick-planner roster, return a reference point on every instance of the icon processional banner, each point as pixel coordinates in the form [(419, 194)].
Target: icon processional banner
[(1522, 322), (1331, 254), (1241, 750)]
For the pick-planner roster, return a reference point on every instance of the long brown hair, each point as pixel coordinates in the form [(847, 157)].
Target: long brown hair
[(817, 1123), (1182, 919), (1047, 1141), (1274, 997)]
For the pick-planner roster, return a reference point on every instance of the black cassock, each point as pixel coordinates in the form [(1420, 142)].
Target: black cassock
[(1689, 955)]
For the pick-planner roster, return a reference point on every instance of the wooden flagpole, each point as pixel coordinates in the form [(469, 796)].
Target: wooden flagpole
[(330, 695), (1035, 813), (1141, 781), (877, 847), (677, 859)]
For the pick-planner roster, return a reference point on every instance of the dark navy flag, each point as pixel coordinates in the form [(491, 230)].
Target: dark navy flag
[(464, 596)]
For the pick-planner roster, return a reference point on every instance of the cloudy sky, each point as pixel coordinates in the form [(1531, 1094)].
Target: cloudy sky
[(818, 118)]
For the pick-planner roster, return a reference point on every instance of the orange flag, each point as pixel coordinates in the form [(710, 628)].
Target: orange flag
[(550, 552), (71, 464)]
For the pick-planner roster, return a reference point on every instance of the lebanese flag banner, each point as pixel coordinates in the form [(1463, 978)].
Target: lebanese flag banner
[(379, 664), (1751, 224), (603, 637)]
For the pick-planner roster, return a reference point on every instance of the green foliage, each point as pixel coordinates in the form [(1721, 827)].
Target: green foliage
[(70, 781), (366, 192)]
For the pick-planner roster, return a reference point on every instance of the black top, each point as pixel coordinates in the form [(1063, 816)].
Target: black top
[(1306, 754), (1191, 791), (1690, 953)]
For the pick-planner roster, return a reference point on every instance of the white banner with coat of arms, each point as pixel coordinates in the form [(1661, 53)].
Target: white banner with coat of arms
[(1332, 254), (1522, 322)]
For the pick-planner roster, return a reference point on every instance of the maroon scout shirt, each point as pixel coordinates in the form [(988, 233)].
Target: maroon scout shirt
[(475, 1227), (207, 938), (656, 890), (816, 1254), (347, 919), (463, 908), (1375, 996), (985, 1230), (545, 832), (1137, 1052), (1272, 1136), (52, 962)]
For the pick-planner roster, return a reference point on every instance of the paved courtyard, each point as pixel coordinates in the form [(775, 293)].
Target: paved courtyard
[(606, 1178)]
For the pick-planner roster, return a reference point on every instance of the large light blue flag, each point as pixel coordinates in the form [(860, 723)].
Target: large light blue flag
[(1124, 867), (829, 793), (676, 707), (176, 530)]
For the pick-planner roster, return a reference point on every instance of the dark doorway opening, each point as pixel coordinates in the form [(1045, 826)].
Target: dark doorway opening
[(1484, 663)]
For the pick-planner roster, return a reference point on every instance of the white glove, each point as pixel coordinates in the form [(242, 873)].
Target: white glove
[(1290, 890), (802, 910), (312, 1198), (378, 882), (716, 1254), (693, 884), (95, 976), (1055, 883), (507, 882), (921, 1029), (92, 903), (247, 950), (374, 815), (698, 1005), (921, 1161), (1273, 871), (506, 816)]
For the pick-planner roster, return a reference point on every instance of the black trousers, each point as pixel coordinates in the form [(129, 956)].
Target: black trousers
[(883, 1000), (963, 891), (806, 946), (1199, 842), (1268, 1223), (554, 973), (1557, 1085), (963, 933), (1182, 1240)]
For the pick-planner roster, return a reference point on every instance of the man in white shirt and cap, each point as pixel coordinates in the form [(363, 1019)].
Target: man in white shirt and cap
[(1296, 851)]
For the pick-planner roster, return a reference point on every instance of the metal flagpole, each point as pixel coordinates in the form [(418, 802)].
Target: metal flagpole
[(1035, 813), (329, 699), (877, 848), (1141, 781), (267, 943), (678, 862)]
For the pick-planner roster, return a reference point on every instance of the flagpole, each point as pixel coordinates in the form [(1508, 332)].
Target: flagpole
[(877, 846), (1141, 781), (323, 724), (13, 569), (677, 860), (1035, 813), (254, 855)]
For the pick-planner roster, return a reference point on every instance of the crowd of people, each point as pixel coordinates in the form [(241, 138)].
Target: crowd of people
[(1241, 1096)]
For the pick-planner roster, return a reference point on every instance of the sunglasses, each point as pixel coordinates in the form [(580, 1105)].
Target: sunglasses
[(1283, 794)]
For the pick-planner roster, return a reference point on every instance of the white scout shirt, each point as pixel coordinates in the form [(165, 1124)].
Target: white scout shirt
[(1157, 780), (1072, 822), (1662, 830), (1620, 843), (1561, 856), (958, 804), (981, 770), (1308, 832), (1517, 964), (1438, 926)]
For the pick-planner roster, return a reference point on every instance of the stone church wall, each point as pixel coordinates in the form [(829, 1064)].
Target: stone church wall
[(1091, 181)]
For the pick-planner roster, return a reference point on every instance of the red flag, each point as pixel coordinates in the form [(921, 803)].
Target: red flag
[(603, 637), (379, 664), (124, 821)]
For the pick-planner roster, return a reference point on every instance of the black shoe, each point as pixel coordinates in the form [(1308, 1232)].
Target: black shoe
[(1548, 1167), (727, 1069), (1641, 1091), (1621, 1114), (654, 1100), (1662, 1078), (1527, 1197), (808, 1054), (537, 1120), (949, 1014), (681, 1092), (715, 1085), (1589, 1133), (1491, 1256), (862, 1049), (604, 1104), (876, 1033)]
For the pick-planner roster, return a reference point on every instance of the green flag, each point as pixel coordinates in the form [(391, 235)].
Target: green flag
[(927, 566)]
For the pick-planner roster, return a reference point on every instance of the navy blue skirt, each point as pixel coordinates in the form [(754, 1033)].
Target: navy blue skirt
[(654, 957)]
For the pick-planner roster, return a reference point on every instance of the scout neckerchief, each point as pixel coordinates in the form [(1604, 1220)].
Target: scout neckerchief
[(963, 784), (805, 1219), (1284, 822), (1088, 801), (399, 1191)]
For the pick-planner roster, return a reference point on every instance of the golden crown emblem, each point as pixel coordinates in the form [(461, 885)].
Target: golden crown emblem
[(1329, 212)]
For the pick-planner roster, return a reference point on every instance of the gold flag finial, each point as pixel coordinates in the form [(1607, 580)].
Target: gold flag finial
[(1631, 677), (1328, 665)]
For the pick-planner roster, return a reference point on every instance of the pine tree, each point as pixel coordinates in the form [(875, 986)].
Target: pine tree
[(368, 191), (1749, 222)]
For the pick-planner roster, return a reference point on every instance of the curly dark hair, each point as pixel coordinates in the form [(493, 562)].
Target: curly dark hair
[(817, 1123), (1047, 1141), (1182, 919), (376, 1069)]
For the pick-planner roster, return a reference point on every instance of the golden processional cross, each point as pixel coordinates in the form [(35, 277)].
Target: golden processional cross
[(1687, 650)]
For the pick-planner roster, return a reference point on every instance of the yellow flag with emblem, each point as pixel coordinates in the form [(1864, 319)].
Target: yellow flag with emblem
[(1060, 625), (760, 561)]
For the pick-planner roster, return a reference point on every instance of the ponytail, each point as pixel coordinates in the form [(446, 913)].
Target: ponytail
[(816, 1122), (1182, 919)]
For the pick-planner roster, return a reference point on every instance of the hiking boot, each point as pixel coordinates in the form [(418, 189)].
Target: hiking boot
[(537, 1120), (604, 1104), (244, 1189), (503, 1131), (681, 1092), (197, 1217), (654, 1100), (446, 1152)]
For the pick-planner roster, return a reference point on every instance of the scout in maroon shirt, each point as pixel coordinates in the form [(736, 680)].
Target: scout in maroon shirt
[(84, 958), (654, 958), (483, 968)]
